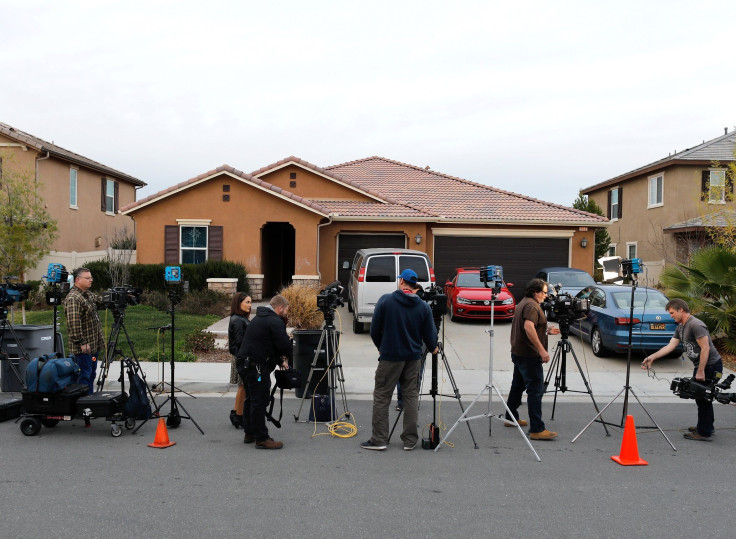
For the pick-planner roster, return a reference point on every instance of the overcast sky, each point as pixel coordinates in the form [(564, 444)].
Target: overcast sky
[(539, 98)]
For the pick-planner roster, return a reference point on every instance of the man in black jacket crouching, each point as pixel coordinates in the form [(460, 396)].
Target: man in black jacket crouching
[(265, 345)]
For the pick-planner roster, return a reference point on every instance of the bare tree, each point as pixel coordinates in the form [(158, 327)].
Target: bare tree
[(120, 247)]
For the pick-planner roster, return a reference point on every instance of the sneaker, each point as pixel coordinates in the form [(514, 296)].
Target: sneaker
[(696, 436), (371, 445), (269, 443), (521, 422), (399, 407), (248, 438), (544, 435), (695, 429), (409, 447)]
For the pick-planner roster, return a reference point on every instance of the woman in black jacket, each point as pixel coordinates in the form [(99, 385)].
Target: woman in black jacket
[(239, 312)]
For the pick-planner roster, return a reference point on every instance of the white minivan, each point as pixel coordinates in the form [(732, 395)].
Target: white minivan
[(375, 272)]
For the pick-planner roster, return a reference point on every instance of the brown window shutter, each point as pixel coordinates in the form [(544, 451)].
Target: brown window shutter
[(620, 201), (117, 196), (171, 244), (704, 185), (608, 210), (103, 189), (214, 243)]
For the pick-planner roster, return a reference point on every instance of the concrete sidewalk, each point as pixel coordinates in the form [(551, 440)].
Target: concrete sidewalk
[(467, 348)]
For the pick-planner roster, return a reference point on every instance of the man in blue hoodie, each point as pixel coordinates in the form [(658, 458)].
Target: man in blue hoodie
[(401, 323)]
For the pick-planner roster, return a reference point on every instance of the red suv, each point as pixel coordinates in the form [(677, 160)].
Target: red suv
[(467, 297)]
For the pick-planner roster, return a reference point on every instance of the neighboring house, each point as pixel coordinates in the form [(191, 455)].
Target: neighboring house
[(84, 196), (660, 212), (293, 221)]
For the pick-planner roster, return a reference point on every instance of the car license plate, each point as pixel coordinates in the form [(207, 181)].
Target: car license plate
[(657, 326)]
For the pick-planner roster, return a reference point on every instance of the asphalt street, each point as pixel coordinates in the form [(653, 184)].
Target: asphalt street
[(70, 481)]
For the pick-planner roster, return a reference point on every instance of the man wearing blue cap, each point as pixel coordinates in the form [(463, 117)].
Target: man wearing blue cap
[(401, 323)]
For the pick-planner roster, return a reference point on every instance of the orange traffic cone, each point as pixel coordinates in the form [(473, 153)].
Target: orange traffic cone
[(162, 436), (629, 450)]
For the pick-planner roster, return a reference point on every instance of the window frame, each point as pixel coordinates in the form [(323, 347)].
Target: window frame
[(629, 245), (722, 199), (615, 213), (74, 188), (109, 198), (660, 202), (611, 246), (183, 248)]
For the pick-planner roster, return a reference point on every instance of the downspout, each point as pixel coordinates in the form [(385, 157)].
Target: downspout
[(40, 159), (329, 222)]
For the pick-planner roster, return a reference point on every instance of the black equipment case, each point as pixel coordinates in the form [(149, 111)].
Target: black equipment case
[(10, 409), (60, 403), (105, 405)]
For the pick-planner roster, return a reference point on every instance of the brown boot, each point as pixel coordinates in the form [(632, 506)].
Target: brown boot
[(521, 422), (544, 435), (248, 438), (269, 443)]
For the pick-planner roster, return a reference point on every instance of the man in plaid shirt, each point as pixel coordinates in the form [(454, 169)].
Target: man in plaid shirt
[(83, 326)]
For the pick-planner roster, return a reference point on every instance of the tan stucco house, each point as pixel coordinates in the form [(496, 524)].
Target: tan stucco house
[(84, 196), (660, 212), (294, 221)]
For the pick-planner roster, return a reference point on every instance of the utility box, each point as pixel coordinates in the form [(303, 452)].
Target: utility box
[(35, 340)]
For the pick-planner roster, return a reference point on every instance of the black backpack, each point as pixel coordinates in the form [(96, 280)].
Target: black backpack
[(137, 406), (285, 379)]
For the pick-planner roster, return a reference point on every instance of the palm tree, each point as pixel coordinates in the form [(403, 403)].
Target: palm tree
[(708, 284)]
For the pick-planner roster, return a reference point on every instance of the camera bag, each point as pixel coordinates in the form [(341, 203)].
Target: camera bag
[(285, 379), (51, 373), (104, 405), (59, 403)]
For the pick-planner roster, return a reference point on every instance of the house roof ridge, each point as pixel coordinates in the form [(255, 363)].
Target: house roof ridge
[(61, 152), (467, 182)]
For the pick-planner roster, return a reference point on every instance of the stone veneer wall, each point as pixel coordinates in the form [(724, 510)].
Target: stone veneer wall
[(225, 285), (255, 281)]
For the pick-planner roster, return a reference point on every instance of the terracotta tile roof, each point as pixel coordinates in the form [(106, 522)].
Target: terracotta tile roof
[(452, 198), (719, 149), (62, 153), (376, 210), (247, 178)]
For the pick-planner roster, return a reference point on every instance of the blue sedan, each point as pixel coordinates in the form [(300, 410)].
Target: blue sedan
[(606, 326)]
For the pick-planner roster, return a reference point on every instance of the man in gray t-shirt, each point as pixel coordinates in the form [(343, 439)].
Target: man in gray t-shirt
[(699, 348)]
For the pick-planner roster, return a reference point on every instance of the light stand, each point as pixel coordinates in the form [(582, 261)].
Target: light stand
[(174, 418), (497, 281), (160, 387), (628, 273)]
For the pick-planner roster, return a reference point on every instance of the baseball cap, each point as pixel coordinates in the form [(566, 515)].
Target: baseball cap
[(409, 276)]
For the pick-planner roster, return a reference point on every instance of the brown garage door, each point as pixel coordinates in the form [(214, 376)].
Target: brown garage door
[(349, 244), (521, 258)]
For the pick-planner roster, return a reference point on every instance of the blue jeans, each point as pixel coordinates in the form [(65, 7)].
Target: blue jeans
[(87, 370), (705, 407), (528, 374)]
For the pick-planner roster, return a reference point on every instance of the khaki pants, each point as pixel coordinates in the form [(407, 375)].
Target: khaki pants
[(388, 374)]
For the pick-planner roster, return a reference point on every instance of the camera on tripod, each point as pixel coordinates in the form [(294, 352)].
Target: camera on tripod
[(330, 298), (690, 388), (564, 307), (437, 300), (57, 279), (12, 292), (119, 297)]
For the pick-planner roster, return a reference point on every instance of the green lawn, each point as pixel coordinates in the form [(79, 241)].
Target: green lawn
[(137, 319)]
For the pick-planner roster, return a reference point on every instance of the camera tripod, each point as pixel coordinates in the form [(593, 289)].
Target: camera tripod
[(490, 387), (131, 363), (160, 387), (174, 418), (329, 346), (627, 386), (434, 438), (558, 367), (5, 325)]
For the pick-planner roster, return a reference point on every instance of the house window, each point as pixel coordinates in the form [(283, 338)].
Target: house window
[(631, 250), (656, 185), (110, 196), (72, 187), (611, 250), (717, 187), (614, 203), (193, 244)]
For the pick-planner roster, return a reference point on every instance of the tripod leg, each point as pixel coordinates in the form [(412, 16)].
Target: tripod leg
[(597, 416), (653, 421), (463, 417), (311, 373), (523, 435), (190, 418), (555, 367), (588, 388), (394, 427), (455, 390)]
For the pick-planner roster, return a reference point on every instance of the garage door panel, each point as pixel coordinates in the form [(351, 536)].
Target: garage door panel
[(521, 258)]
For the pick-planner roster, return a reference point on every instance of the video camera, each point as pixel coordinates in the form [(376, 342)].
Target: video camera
[(565, 308), (329, 298), (119, 297), (57, 279), (437, 300), (10, 293), (690, 388)]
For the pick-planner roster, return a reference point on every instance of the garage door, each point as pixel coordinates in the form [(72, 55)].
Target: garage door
[(521, 258), (349, 244)]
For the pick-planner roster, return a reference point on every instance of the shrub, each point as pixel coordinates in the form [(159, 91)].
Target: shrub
[(156, 299), (199, 341), (303, 313), (205, 302)]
